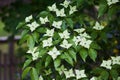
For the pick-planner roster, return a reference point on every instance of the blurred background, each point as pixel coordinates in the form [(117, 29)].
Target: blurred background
[(12, 54)]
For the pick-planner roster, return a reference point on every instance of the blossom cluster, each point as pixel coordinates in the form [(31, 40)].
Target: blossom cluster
[(108, 63)]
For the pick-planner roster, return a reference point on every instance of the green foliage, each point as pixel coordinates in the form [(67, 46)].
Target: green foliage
[(67, 44)]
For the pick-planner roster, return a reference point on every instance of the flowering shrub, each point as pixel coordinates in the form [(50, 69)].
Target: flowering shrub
[(62, 46)]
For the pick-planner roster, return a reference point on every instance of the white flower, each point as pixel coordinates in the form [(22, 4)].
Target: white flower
[(72, 9), (85, 35), (85, 43), (79, 30), (57, 24), (41, 78), (35, 54), (47, 42), (106, 64), (118, 78), (116, 60), (43, 20), (65, 44), (80, 74), (53, 7), (65, 3), (33, 26), (98, 26), (69, 73), (65, 35), (60, 13), (94, 78), (49, 32), (109, 2), (54, 53), (76, 40), (28, 19)]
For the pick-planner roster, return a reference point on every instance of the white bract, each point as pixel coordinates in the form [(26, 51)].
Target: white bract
[(98, 26), (94, 78), (34, 53), (80, 74), (57, 24), (69, 73), (106, 64), (65, 3), (43, 20), (41, 78), (65, 34), (109, 2), (53, 7), (79, 30), (72, 9), (49, 32), (85, 43), (116, 60), (65, 44), (33, 26), (84, 35), (54, 53), (28, 19), (47, 43), (60, 13)]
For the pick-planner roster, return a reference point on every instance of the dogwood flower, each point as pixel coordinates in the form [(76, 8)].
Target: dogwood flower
[(69, 73), (109, 2), (33, 26), (65, 44), (54, 53), (57, 24), (53, 7), (28, 19), (65, 35), (98, 26), (47, 42), (60, 13), (43, 20), (80, 74), (94, 78), (35, 54), (79, 30), (76, 40), (106, 64), (49, 32), (116, 60), (85, 35), (72, 9), (85, 43), (65, 3)]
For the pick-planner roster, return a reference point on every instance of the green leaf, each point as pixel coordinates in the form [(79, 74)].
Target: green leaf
[(25, 72), (72, 54), (114, 74), (30, 42), (70, 22), (35, 36), (92, 54), (94, 45), (83, 53), (97, 71), (68, 58), (34, 74), (48, 60), (102, 8), (21, 24), (41, 30), (57, 63), (27, 62), (104, 75)]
